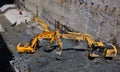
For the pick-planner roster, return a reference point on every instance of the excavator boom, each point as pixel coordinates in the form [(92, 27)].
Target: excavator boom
[(97, 49), (79, 36), (40, 21), (31, 47)]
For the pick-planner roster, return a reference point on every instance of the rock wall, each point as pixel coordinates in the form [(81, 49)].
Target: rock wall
[(99, 18)]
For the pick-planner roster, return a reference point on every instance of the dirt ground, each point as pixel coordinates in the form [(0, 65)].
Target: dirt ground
[(71, 60)]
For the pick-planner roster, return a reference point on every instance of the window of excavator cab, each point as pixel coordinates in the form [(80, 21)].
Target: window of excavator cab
[(108, 46)]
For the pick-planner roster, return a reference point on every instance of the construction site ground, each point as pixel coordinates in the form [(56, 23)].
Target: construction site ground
[(73, 58)]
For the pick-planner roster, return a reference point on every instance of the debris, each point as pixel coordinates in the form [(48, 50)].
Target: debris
[(20, 12), (14, 16), (14, 24)]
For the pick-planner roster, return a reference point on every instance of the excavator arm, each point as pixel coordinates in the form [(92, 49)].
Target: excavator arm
[(79, 36), (28, 47), (40, 21), (31, 47), (105, 50)]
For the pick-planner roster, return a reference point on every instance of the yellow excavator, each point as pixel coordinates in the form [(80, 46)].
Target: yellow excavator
[(40, 21), (31, 47), (95, 49)]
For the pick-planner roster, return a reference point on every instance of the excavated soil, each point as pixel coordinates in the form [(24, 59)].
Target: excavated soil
[(73, 59)]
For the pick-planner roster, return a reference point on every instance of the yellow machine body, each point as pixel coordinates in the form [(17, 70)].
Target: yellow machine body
[(96, 49), (108, 50), (26, 48), (105, 49), (31, 47)]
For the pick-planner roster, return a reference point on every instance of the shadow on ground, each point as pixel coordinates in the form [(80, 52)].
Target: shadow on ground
[(3, 2), (67, 49), (5, 56)]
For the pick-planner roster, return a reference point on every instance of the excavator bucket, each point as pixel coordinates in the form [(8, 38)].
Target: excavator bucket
[(25, 48)]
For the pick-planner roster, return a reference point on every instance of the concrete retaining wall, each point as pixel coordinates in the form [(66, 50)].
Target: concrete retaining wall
[(99, 18)]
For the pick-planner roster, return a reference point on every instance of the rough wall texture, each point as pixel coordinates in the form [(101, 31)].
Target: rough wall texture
[(99, 18)]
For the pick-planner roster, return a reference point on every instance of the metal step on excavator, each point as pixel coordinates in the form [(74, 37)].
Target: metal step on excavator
[(95, 48)]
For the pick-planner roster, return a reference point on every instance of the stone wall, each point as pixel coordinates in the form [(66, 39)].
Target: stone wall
[(99, 18)]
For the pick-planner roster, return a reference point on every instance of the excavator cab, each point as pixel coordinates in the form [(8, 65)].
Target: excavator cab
[(111, 50), (100, 49)]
